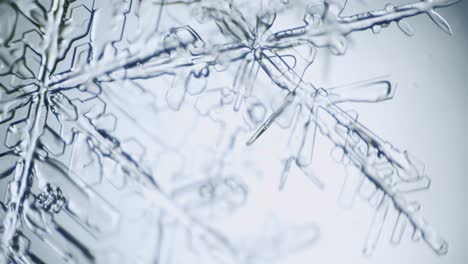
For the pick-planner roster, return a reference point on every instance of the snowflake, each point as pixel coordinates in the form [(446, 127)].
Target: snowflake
[(75, 74)]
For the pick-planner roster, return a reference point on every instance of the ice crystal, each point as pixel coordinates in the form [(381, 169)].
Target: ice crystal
[(76, 75)]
